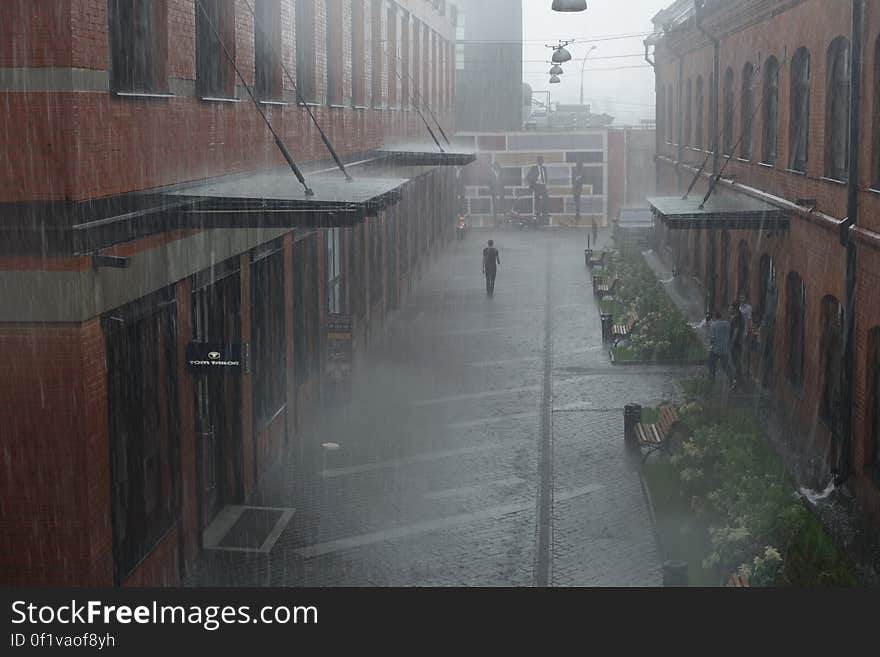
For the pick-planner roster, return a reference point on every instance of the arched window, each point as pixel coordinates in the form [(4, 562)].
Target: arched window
[(748, 108), (670, 114), (800, 110), (771, 110), (688, 114), (831, 353), (743, 271), (660, 119), (698, 134), (767, 292), (837, 113), (874, 396), (728, 112), (796, 309)]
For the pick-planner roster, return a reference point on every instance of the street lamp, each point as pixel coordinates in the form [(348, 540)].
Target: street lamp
[(555, 80), (561, 55), (583, 67), (556, 70), (569, 5)]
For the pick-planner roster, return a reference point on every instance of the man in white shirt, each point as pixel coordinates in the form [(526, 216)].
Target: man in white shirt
[(538, 180)]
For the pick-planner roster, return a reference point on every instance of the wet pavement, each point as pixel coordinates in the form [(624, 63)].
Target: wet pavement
[(483, 445)]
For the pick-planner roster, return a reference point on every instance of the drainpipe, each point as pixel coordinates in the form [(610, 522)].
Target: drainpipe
[(844, 465), (658, 144), (713, 253)]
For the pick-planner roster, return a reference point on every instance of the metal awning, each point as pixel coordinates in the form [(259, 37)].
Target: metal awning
[(722, 210), (635, 218), (428, 154), (275, 199)]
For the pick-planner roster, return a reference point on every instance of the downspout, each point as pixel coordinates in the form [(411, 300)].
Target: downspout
[(713, 254), (658, 144), (844, 465)]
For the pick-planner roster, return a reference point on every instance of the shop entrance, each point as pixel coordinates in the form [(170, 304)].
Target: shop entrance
[(217, 319)]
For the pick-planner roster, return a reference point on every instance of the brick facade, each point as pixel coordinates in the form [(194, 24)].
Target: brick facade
[(750, 32)]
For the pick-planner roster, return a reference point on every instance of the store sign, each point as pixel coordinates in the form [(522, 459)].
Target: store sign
[(213, 357)]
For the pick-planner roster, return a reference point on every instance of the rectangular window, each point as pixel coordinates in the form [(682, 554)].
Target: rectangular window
[(214, 72), (377, 42), (334, 271), (391, 52), (405, 65), (267, 334), (138, 35), (306, 58), (267, 50), (333, 50), (358, 52)]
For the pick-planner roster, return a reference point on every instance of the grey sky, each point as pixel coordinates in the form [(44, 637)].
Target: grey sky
[(625, 93)]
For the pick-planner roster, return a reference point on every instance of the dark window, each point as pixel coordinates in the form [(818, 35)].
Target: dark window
[(712, 138), (214, 72), (688, 113), (771, 111), (837, 114), (698, 134), (660, 118), (832, 359), (391, 52), (405, 55), (306, 55), (874, 381), (267, 50), (267, 334), (138, 35), (333, 268), (725, 268), (800, 110), (767, 292), (358, 52), (334, 60), (748, 110), (729, 104), (377, 44), (670, 115), (141, 357), (796, 309)]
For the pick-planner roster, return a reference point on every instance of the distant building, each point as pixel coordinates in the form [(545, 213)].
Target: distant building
[(488, 63)]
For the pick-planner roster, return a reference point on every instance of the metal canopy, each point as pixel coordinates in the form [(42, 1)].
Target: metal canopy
[(635, 218), (422, 154), (724, 211), (273, 198)]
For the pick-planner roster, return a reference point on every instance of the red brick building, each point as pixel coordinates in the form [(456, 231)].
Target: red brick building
[(121, 121), (774, 89)]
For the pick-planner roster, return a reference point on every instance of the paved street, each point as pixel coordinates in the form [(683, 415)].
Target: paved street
[(483, 446)]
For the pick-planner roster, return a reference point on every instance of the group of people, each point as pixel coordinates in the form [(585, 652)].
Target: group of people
[(729, 342)]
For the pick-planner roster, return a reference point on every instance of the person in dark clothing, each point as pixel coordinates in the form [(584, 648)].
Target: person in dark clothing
[(737, 339), (496, 189), (577, 187), (491, 262), (719, 347), (538, 181)]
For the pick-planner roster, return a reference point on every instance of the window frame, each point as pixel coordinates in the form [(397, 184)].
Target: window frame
[(770, 100), (799, 137), (837, 117), (747, 111), (147, 71), (796, 317)]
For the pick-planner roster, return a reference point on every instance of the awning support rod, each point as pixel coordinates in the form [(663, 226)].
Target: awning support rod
[(412, 85), (421, 116), (280, 144), (720, 173), (302, 101)]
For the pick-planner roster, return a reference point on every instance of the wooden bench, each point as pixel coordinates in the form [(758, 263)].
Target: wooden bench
[(622, 331), (738, 580), (656, 436), (606, 289)]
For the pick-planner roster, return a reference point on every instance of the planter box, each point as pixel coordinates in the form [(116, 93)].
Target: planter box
[(669, 362)]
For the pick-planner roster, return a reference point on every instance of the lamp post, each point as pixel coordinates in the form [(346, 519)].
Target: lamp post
[(583, 68)]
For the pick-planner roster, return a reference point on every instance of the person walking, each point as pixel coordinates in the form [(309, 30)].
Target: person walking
[(491, 263), (537, 179), (719, 347), (577, 187), (737, 339)]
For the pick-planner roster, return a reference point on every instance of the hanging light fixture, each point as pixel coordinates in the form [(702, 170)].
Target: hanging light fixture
[(556, 70), (561, 55), (555, 80), (569, 5)]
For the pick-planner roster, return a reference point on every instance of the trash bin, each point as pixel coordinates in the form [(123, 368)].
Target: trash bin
[(607, 323), (675, 573), (632, 415)]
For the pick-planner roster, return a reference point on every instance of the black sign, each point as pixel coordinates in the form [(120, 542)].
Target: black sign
[(212, 357)]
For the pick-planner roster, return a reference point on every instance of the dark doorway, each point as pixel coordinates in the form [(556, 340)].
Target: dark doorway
[(217, 318)]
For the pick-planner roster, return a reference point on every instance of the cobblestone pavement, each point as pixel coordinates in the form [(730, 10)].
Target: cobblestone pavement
[(458, 436)]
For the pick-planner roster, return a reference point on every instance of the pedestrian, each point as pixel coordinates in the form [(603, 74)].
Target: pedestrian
[(496, 189), (737, 339), (577, 187), (719, 347), (537, 179), (491, 263)]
